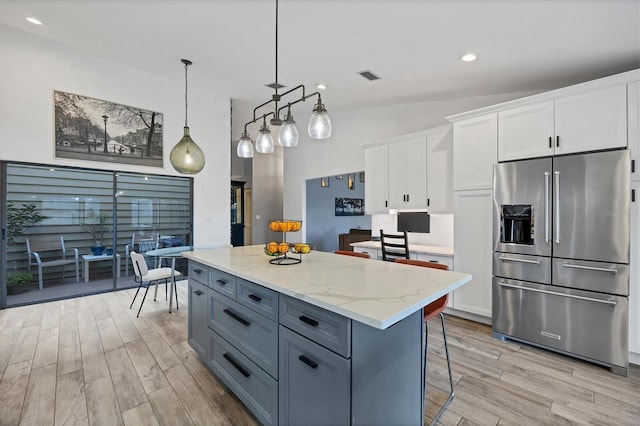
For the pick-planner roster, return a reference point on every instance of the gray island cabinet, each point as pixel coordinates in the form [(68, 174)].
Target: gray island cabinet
[(334, 340)]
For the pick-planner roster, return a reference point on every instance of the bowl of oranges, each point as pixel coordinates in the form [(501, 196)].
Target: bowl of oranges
[(276, 249), (285, 225)]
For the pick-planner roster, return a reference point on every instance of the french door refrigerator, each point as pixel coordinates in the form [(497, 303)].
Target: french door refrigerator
[(561, 254)]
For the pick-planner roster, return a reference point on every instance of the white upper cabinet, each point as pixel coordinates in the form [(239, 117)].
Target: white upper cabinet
[(440, 171), (475, 151), (633, 110), (376, 171), (408, 174), (593, 120), (526, 132)]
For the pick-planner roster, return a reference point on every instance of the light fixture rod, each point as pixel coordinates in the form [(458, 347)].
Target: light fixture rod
[(186, 63), (277, 114), (264, 116), (302, 99)]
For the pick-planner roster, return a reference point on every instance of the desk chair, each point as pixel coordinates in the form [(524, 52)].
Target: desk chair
[(430, 311), (352, 253), (394, 246), (147, 277)]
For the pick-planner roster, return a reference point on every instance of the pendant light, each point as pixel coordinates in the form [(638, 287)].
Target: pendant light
[(319, 123), (186, 157)]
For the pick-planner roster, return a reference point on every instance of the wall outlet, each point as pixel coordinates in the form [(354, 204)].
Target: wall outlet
[(257, 217)]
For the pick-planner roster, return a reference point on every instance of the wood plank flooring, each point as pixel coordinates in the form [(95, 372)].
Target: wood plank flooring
[(90, 361)]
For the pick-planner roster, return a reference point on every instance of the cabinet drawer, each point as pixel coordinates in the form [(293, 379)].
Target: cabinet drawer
[(197, 330), (315, 383), (223, 282), (247, 330), (198, 272), (258, 298), (444, 260), (256, 389), (331, 330)]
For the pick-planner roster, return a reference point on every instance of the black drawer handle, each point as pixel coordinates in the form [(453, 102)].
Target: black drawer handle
[(236, 364), (221, 282), (311, 363), (237, 317), (255, 298), (308, 320), (199, 292), (198, 270)]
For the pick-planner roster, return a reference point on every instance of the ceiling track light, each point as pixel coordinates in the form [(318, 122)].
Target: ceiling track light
[(319, 123)]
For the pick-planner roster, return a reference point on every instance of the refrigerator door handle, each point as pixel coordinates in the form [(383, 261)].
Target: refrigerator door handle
[(547, 205), (556, 227), (514, 259), (555, 293), (612, 269)]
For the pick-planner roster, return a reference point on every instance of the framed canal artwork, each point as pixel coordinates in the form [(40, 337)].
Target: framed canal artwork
[(349, 207), (96, 130)]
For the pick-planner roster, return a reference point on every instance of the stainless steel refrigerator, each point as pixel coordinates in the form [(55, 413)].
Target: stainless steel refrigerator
[(561, 254)]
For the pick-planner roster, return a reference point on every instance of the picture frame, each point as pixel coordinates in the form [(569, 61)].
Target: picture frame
[(351, 182), (361, 176), (97, 130), (349, 207), (324, 182)]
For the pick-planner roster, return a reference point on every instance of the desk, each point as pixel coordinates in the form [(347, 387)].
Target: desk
[(88, 258), (169, 253)]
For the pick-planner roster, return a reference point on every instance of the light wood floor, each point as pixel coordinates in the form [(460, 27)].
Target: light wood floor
[(91, 361)]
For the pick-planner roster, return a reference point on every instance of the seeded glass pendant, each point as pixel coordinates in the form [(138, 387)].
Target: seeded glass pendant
[(264, 141), (245, 147), (319, 123), (186, 157), (288, 135)]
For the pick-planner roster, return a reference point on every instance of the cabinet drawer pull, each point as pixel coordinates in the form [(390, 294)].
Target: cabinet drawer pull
[(311, 363), (550, 142), (557, 141), (236, 364), (237, 317), (221, 282), (199, 292), (308, 320), (255, 298), (198, 270)]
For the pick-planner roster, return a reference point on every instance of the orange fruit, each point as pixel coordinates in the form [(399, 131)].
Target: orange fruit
[(283, 247), (295, 226), (272, 246)]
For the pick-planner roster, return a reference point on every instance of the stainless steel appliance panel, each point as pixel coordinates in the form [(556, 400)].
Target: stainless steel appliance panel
[(595, 276), (522, 267), (590, 325), (591, 195), (524, 183)]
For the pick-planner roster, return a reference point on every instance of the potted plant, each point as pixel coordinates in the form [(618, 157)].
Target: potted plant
[(96, 224), (20, 219), (17, 281)]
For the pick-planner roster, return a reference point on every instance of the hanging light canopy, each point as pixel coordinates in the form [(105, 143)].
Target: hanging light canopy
[(186, 157), (319, 123)]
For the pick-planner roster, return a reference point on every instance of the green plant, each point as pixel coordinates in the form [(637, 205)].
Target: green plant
[(21, 278), (96, 224), (20, 219)]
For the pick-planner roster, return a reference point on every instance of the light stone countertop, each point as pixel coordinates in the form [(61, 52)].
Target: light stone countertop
[(416, 248), (372, 292)]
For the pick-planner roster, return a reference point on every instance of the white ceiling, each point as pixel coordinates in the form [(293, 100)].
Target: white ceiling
[(415, 46)]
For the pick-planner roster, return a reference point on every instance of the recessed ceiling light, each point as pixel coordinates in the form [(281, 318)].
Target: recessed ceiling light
[(321, 86), (34, 21), (469, 57)]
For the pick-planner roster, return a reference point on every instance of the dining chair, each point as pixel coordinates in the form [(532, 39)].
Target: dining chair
[(141, 243), (146, 277), (430, 311), (353, 253), (394, 246)]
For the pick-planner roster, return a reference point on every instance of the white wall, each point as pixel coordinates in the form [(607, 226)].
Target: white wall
[(31, 68)]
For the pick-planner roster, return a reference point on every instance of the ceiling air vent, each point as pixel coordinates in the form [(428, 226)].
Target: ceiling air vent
[(369, 75), (275, 86)]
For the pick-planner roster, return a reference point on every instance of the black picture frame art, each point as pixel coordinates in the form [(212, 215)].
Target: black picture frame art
[(349, 207), (96, 130)]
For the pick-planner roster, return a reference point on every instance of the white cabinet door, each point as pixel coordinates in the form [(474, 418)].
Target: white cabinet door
[(473, 250), (475, 151), (591, 121), (526, 132), (408, 174), (440, 172), (376, 170), (634, 285), (633, 111)]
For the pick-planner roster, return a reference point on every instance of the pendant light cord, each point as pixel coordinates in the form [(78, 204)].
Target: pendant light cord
[(186, 65), (276, 47)]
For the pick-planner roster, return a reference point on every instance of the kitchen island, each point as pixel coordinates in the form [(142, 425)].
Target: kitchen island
[(331, 340)]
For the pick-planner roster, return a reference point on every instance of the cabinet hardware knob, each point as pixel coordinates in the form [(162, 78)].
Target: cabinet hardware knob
[(255, 298), (311, 363), (236, 364), (237, 317), (221, 282), (308, 320), (199, 292), (198, 270)]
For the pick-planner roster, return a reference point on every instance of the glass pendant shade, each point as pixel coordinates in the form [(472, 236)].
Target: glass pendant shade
[(264, 141), (319, 123), (245, 147), (288, 135), (187, 157)]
